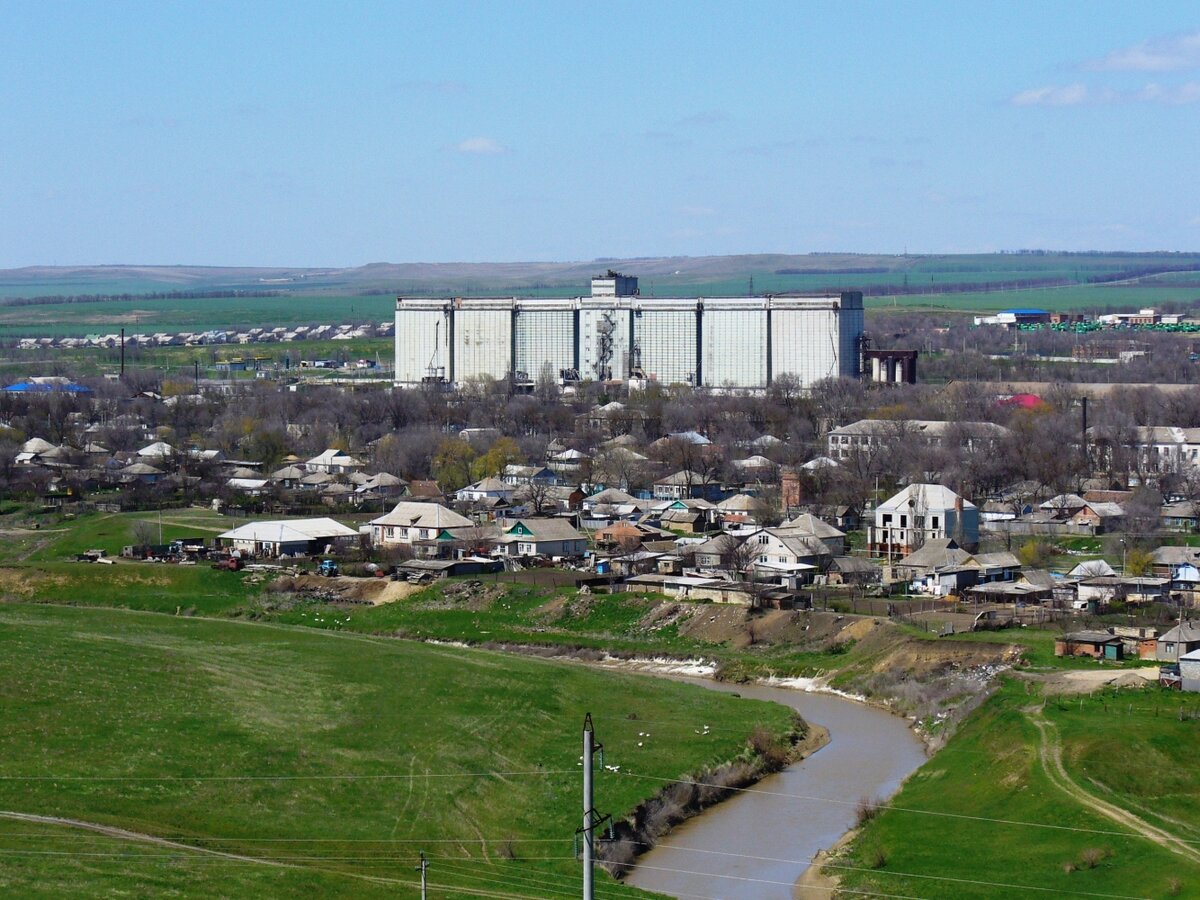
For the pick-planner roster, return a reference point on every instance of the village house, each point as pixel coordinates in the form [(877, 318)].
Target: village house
[(1184, 638), (542, 537), (742, 511), (869, 434), (921, 513), (613, 419), (491, 488), (1189, 671), (333, 462), (687, 485), (416, 524), (290, 537), (718, 552), (1181, 565), (1183, 515), (515, 475), (623, 535)]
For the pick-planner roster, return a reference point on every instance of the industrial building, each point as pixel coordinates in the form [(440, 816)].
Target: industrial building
[(617, 335)]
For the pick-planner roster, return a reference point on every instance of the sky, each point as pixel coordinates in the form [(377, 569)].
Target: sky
[(339, 134)]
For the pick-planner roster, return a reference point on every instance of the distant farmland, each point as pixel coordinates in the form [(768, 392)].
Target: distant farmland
[(120, 296)]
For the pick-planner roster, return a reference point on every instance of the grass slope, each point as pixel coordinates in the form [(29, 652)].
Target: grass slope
[(226, 735), (1130, 749)]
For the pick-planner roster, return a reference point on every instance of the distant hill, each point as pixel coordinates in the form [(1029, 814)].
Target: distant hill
[(875, 274)]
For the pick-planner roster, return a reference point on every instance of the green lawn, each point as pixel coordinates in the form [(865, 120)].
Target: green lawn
[(344, 752), (984, 811)]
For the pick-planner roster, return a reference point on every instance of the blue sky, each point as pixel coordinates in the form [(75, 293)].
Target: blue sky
[(299, 133)]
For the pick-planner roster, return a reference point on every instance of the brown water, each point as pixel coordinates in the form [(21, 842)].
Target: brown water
[(755, 845)]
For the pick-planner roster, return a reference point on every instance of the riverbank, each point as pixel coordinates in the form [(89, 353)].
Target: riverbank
[(686, 798), (757, 844)]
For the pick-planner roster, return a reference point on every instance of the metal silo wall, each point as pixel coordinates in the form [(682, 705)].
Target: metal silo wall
[(545, 336), (805, 342), (482, 341), (422, 339), (667, 340), (734, 346)]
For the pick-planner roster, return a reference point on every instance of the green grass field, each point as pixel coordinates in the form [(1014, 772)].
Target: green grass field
[(341, 755), (983, 818), (341, 298)]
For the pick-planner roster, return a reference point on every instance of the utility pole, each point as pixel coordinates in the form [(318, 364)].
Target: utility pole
[(591, 822), (421, 868), (588, 745)]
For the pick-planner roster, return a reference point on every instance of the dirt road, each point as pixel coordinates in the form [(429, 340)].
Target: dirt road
[(1084, 681), (124, 835), (1050, 756)]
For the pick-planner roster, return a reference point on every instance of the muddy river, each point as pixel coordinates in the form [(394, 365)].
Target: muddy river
[(756, 845)]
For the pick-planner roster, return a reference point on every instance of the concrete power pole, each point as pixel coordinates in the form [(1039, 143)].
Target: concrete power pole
[(591, 821), (421, 868), (588, 746)]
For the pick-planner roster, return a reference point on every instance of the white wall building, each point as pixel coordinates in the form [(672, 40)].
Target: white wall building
[(921, 513), (615, 334)]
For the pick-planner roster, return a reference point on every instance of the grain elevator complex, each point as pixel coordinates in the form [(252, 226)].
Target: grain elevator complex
[(616, 334)]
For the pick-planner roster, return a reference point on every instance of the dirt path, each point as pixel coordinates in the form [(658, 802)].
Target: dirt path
[(121, 833), (139, 837), (1050, 755), (1084, 681)]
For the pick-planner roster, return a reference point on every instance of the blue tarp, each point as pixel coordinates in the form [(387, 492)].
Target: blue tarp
[(33, 387)]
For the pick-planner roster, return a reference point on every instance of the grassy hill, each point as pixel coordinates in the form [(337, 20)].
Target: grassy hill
[(990, 815), (340, 756)]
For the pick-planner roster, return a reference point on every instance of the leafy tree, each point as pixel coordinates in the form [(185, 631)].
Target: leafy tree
[(1138, 561), (504, 452), (452, 464)]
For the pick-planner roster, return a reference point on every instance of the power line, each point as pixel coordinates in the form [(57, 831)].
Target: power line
[(841, 890), (506, 880), (830, 865), (888, 806), (344, 777)]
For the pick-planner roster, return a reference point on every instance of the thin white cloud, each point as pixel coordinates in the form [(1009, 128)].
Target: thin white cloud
[(1170, 53), (1052, 95), (482, 146), (1080, 95)]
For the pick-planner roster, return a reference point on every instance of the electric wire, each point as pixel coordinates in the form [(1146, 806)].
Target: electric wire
[(892, 807)]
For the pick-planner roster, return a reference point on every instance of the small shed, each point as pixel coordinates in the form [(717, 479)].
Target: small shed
[(1096, 644)]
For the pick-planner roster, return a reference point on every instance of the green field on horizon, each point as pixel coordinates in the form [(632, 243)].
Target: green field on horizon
[(925, 282)]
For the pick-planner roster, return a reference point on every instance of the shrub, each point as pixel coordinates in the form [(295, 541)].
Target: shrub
[(866, 810), (1093, 856)]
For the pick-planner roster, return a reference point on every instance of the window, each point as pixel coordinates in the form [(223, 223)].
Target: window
[(933, 522), (764, 539), (763, 558), (887, 518)]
